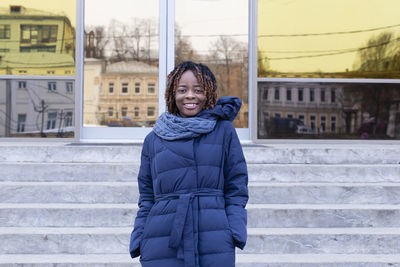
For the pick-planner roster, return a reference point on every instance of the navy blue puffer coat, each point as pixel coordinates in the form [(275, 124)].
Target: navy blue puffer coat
[(193, 194)]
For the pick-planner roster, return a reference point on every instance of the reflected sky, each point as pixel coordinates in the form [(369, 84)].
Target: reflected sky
[(360, 19)]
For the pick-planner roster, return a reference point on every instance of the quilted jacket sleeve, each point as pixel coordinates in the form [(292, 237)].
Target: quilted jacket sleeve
[(235, 188), (146, 200)]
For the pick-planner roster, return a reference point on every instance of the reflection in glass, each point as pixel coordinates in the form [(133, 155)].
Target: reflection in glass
[(329, 39), (37, 108), (121, 63), (348, 111), (205, 32), (37, 39)]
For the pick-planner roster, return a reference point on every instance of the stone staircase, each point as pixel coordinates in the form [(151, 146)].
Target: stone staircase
[(310, 205)]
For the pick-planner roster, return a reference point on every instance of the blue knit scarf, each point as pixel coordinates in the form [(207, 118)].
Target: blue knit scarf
[(173, 127)]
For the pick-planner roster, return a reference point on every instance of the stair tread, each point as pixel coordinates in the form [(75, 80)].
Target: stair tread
[(240, 258)]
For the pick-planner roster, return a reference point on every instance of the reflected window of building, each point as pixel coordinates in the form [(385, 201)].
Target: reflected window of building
[(4, 31), (323, 124), (136, 112), (137, 88), (22, 85), (151, 111), (69, 86), (265, 94), (289, 94), (68, 119), (111, 88), (151, 88), (276, 93), (124, 88), (52, 86), (124, 111), (300, 94), (51, 120), (312, 93), (277, 115), (301, 117), (312, 122), (333, 95), (21, 123), (110, 112), (322, 94), (333, 124)]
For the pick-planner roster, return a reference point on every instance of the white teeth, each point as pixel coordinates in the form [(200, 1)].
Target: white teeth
[(190, 105)]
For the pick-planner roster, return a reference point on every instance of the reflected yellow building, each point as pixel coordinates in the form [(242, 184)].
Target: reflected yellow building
[(35, 42)]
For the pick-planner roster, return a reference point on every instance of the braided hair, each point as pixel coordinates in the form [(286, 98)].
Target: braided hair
[(205, 78)]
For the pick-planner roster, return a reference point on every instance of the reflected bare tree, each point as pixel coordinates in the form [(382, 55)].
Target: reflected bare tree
[(379, 54)]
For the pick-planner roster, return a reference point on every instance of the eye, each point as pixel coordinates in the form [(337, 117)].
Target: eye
[(198, 90), (181, 90)]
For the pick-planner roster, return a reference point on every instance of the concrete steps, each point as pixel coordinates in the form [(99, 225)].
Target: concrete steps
[(242, 260), (92, 240), (260, 192), (257, 172), (259, 215), (310, 205)]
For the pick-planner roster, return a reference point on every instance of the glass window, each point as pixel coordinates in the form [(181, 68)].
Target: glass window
[(276, 93), (124, 111), (312, 94), (300, 94), (28, 110), (110, 111), (111, 88), (68, 119), (124, 88), (22, 84), (322, 94), (289, 94), (4, 31), (121, 49), (206, 32), (69, 87), (136, 112), (52, 86), (37, 37), (333, 124), (333, 95), (21, 122), (265, 94), (151, 111), (353, 111), (151, 88), (359, 43), (137, 88), (51, 120)]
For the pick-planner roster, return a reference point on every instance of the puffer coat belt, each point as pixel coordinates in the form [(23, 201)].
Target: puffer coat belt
[(183, 223)]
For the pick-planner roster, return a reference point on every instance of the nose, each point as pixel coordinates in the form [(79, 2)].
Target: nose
[(190, 93)]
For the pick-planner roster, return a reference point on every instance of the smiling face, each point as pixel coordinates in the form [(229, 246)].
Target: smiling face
[(189, 96)]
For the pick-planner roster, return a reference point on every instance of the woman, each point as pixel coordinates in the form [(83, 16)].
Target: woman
[(192, 178)]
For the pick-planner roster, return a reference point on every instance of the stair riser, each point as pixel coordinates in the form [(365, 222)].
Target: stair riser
[(257, 218), (257, 173), (253, 154), (324, 173), (267, 244), (253, 264), (66, 193)]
